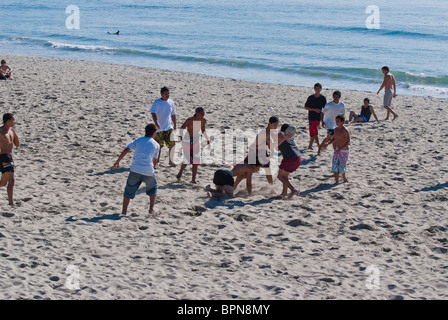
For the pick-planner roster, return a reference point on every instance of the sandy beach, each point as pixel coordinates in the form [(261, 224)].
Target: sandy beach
[(383, 235)]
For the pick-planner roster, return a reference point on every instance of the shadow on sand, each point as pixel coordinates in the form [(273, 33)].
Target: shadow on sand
[(433, 188), (321, 187), (213, 203), (115, 216)]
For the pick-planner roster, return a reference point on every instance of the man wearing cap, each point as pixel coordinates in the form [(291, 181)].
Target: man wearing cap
[(328, 116)]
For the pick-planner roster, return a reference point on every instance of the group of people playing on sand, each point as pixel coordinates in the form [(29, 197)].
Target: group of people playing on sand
[(147, 149), (330, 115)]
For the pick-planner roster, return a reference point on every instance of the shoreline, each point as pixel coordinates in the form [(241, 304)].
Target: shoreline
[(230, 78), (75, 117)]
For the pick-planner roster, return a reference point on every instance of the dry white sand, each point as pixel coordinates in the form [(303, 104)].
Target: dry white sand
[(381, 236)]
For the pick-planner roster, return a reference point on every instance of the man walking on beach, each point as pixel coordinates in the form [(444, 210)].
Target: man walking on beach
[(142, 168), (8, 139), (328, 116), (163, 112), (388, 83), (314, 104)]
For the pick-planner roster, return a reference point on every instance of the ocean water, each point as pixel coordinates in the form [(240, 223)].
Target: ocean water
[(340, 44)]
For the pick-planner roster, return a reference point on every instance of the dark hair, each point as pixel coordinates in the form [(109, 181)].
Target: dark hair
[(273, 119), (284, 127), (7, 117), (3, 61), (341, 117), (150, 129), (199, 110), (164, 89), (385, 68), (367, 99), (338, 93), (318, 85)]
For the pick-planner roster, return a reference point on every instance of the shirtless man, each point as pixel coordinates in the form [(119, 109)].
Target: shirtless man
[(8, 139), (225, 183), (5, 71), (388, 83), (341, 143), (263, 147), (191, 142)]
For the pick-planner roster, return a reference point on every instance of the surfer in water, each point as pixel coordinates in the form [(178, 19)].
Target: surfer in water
[(117, 33)]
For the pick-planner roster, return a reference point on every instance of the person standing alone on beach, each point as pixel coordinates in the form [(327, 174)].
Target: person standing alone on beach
[(388, 83), (163, 112), (8, 139), (314, 104)]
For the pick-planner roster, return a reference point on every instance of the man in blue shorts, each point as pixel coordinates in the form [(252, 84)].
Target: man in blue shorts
[(366, 112), (146, 151)]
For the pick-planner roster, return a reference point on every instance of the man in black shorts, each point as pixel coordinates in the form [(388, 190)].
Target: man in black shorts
[(225, 183), (8, 139)]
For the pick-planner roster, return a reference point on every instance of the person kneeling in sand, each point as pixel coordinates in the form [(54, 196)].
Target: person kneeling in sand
[(291, 161), (341, 143), (142, 168), (191, 142), (225, 183)]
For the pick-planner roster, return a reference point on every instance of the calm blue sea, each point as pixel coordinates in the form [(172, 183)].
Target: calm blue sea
[(277, 41)]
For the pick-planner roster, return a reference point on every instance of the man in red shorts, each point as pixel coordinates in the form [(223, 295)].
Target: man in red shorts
[(314, 104)]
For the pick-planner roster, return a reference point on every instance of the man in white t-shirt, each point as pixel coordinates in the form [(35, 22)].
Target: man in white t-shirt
[(163, 112), (328, 116), (146, 150)]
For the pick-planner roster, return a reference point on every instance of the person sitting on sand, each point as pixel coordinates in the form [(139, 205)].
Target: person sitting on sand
[(8, 139), (366, 112), (191, 142), (341, 143), (142, 168), (290, 162), (225, 183), (5, 71), (262, 148)]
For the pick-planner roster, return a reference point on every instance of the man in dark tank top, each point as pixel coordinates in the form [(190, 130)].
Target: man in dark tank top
[(366, 112)]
